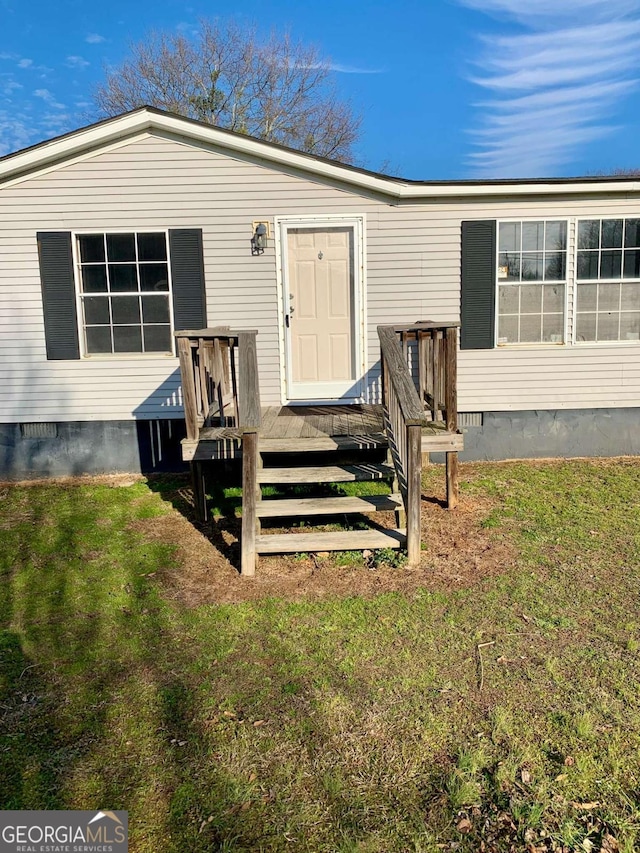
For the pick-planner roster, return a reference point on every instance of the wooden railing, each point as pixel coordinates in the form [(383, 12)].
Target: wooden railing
[(219, 371), (404, 418), (431, 349)]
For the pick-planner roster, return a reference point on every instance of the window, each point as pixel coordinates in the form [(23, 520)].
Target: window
[(608, 280), (532, 264), (125, 293)]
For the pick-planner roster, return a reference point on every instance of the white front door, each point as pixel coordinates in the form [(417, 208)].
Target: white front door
[(320, 311)]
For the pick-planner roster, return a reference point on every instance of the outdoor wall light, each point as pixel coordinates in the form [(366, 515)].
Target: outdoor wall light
[(259, 239)]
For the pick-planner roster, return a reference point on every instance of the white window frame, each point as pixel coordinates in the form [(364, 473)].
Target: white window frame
[(77, 266), (596, 281), (565, 326)]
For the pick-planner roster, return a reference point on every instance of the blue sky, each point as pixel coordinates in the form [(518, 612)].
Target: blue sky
[(447, 88)]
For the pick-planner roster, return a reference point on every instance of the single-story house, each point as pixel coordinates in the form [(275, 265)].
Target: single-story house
[(117, 235)]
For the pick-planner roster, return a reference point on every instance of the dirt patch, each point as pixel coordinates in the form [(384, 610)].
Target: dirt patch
[(458, 552)]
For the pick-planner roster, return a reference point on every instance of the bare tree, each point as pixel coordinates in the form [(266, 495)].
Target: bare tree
[(278, 90)]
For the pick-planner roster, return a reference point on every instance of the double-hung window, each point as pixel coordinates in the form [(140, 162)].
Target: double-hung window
[(125, 292), (608, 280), (531, 281)]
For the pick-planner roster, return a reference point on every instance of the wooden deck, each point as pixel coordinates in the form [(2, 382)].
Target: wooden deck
[(314, 428)]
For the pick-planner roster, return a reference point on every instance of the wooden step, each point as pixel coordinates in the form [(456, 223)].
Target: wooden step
[(290, 508), (327, 474), (342, 540), (368, 441)]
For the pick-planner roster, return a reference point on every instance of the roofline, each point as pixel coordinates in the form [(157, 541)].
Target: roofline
[(120, 128)]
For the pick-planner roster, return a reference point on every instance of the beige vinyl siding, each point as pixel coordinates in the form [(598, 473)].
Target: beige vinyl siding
[(412, 272)]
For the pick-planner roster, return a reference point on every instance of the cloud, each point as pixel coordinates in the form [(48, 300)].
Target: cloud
[(49, 99), (555, 86), (76, 62), (339, 67), (94, 38), (25, 63)]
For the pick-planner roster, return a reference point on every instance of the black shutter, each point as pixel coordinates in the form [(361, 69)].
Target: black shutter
[(478, 285), (187, 276), (58, 294)]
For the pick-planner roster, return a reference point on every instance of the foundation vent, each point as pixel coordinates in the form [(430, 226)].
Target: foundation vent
[(469, 419), (39, 430)]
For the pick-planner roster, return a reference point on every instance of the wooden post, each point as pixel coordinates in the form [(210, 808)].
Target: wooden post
[(249, 486), (199, 491), (414, 492), (451, 409), (188, 387)]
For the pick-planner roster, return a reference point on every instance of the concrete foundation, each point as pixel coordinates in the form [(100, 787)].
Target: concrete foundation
[(62, 449)]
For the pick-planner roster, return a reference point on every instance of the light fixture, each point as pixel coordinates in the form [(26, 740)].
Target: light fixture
[(259, 239)]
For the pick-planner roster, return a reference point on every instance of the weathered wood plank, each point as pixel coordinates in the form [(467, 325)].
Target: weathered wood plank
[(451, 379), (249, 518), (320, 442), (397, 373), (295, 507), (249, 413), (443, 443), (414, 494), (343, 540), (327, 474), (188, 387), (452, 481)]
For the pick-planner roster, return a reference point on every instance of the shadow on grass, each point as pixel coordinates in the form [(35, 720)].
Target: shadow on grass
[(111, 697)]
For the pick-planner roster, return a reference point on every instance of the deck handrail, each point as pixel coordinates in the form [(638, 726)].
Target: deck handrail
[(219, 370), (435, 349), (404, 418)]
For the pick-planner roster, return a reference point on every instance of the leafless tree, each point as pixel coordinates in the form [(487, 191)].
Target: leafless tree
[(279, 89)]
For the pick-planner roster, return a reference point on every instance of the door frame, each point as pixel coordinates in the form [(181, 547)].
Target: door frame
[(357, 223)]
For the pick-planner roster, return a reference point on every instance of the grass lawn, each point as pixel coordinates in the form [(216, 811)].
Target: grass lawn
[(499, 714)]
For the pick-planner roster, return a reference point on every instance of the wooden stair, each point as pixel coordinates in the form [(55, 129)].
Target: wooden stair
[(330, 505)]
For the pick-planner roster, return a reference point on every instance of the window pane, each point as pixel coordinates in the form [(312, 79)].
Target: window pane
[(608, 297), (509, 299), (553, 299), (94, 279), (531, 299), (152, 247), (630, 327), (96, 311), (154, 277), (125, 309), (632, 233), (157, 338), (632, 264), (552, 328), (91, 247), (530, 328), (532, 267), (586, 327), (121, 247), (611, 265), (630, 297), (587, 297), (608, 326), (611, 233), (155, 309), (587, 265), (508, 330), (589, 234), (509, 237), (555, 263), (509, 267), (532, 236), (127, 339), (123, 278), (555, 236), (98, 339)]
